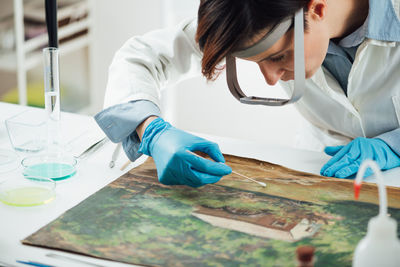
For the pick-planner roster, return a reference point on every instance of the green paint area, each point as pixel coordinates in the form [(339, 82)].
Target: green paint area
[(137, 220)]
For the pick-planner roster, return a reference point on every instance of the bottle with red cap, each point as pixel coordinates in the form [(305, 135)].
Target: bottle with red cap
[(381, 246)]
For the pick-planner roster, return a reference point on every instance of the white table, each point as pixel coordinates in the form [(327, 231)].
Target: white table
[(17, 223)]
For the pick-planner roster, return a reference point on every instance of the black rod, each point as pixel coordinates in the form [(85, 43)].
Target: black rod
[(51, 21)]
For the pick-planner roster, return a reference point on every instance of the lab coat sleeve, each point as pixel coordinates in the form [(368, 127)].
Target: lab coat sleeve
[(139, 70), (119, 123), (146, 64), (392, 139)]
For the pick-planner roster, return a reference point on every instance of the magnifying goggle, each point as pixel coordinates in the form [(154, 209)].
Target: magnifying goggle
[(264, 44)]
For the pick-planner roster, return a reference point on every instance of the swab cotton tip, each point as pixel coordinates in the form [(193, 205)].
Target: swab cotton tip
[(262, 184)]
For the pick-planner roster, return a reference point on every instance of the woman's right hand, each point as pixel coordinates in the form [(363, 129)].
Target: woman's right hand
[(172, 149)]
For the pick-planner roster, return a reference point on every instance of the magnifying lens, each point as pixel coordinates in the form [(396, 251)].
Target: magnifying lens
[(264, 44)]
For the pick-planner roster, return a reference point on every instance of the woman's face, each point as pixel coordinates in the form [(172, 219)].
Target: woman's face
[(277, 63)]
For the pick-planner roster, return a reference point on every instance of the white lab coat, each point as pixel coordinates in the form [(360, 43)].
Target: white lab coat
[(144, 64)]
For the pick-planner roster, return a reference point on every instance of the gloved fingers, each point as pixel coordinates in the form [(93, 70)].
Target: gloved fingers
[(351, 170), (332, 150), (347, 154), (335, 158), (170, 177), (181, 177), (207, 166), (200, 178), (211, 149), (348, 171), (341, 168), (338, 165), (192, 182)]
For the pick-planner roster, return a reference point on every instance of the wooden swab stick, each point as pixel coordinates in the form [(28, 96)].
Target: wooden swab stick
[(125, 165)]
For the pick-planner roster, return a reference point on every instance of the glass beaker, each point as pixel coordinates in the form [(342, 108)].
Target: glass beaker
[(27, 131)]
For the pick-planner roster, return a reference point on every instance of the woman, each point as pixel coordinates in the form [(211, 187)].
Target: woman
[(351, 95)]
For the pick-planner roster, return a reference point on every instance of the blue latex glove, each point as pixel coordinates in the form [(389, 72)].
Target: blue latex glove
[(176, 165), (347, 159)]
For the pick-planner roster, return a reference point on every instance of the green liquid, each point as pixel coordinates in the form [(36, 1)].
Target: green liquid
[(27, 196), (55, 171)]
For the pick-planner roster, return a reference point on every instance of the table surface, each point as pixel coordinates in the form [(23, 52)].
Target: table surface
[(16, 223)]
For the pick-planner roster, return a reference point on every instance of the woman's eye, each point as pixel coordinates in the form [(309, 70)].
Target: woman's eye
[(277, 59)]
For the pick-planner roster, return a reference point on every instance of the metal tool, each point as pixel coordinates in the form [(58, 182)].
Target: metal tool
[(93, 148), (115, 156)]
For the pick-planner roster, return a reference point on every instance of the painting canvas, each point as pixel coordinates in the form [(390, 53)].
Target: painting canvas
[(235, 222)]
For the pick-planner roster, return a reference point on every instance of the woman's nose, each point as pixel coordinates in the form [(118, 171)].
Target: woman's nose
[(272, 73)]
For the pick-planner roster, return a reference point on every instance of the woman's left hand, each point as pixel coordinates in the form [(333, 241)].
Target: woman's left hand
[(347, 159)]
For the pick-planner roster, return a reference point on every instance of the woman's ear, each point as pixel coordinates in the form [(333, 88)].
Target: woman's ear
[(317, 9)]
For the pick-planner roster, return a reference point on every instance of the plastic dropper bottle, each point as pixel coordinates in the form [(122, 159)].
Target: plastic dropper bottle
[(381, 246)]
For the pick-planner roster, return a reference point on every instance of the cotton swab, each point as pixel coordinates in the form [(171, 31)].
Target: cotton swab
[(251, 179)]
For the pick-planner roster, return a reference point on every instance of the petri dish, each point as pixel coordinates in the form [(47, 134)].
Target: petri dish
[(53, 166), (27, 191), (8, 160)]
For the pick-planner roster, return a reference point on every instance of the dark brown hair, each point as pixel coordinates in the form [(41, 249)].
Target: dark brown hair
[(225, 25)]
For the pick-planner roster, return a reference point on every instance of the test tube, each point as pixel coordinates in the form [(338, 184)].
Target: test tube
[(52, 93)]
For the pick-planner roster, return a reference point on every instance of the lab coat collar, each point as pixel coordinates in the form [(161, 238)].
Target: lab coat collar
[(334, 92)]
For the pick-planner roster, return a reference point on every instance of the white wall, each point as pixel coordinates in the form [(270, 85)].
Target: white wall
[(194, 105), (114, 23)]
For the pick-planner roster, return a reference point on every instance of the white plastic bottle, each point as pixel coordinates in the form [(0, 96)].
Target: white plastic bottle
[(381, 246)]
